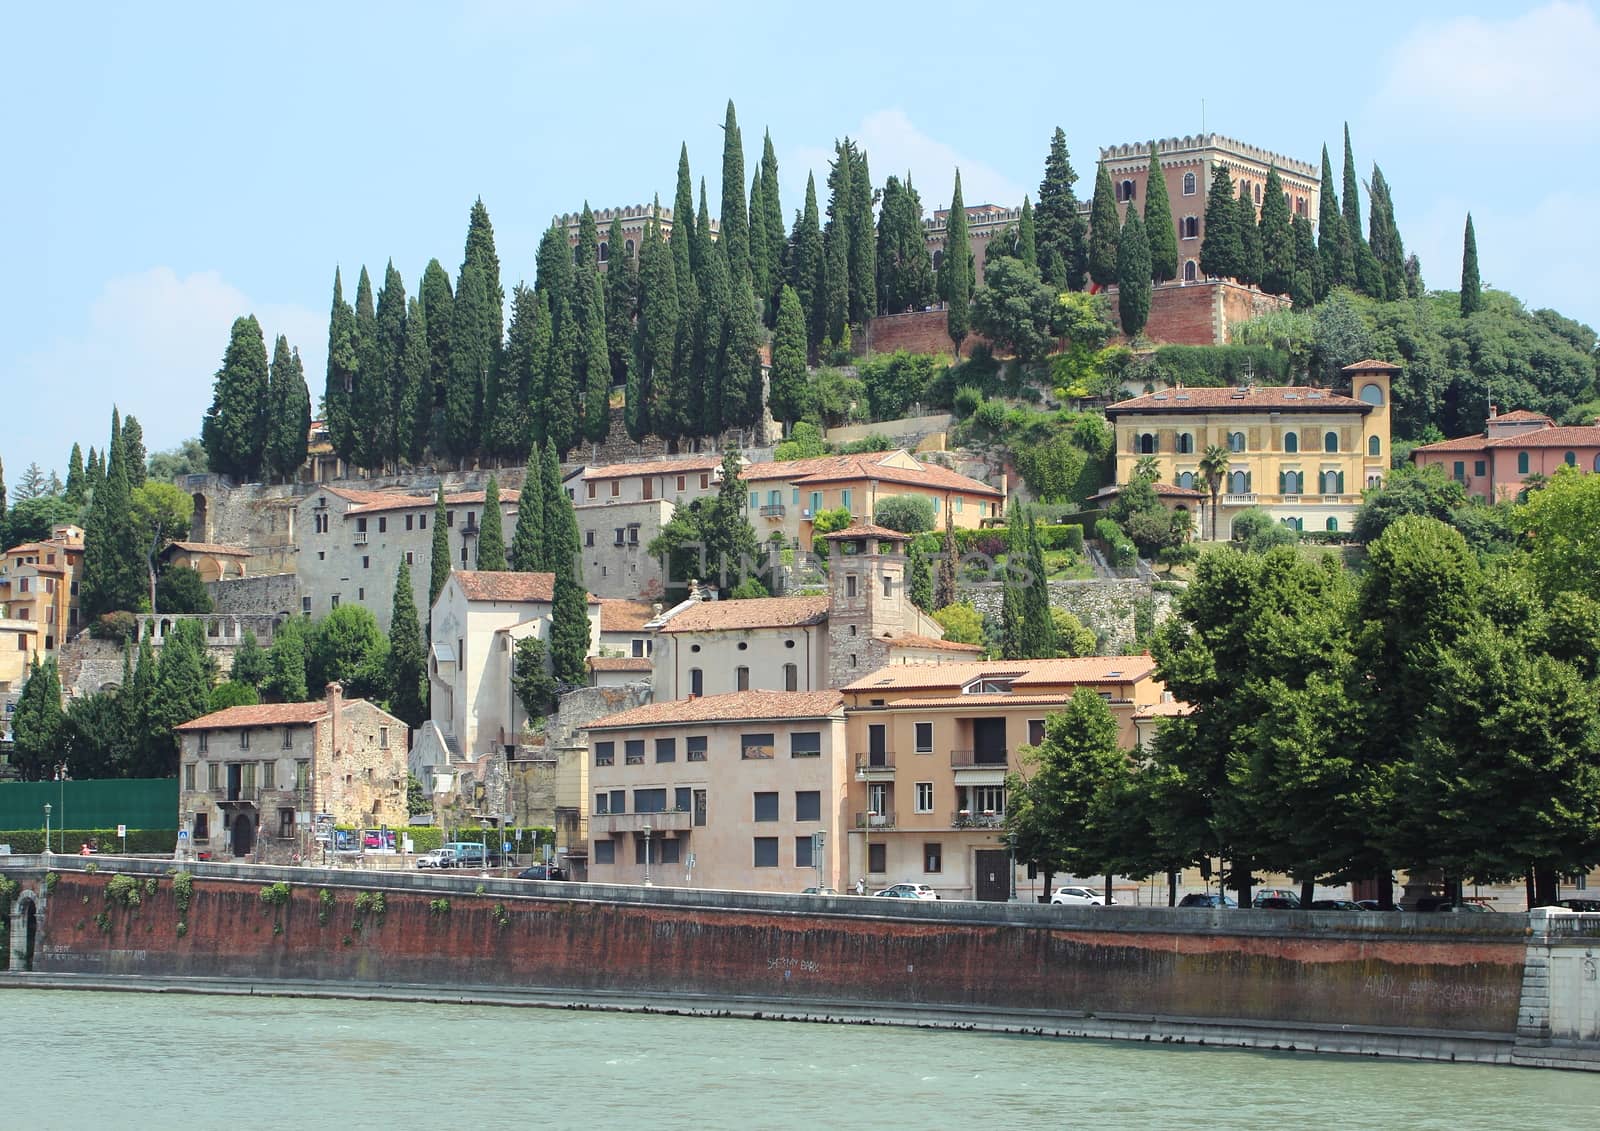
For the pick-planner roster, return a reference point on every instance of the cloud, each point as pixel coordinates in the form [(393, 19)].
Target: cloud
[(151, 344), (895, 145), (1532, 70)]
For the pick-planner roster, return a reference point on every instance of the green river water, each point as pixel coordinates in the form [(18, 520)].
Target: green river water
[(127, 1062)]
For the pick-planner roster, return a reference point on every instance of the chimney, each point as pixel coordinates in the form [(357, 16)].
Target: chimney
[(335, 709), (1493, 412)]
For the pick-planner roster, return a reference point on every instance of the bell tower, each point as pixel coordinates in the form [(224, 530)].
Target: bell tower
[(1371, 384), (868, 603)]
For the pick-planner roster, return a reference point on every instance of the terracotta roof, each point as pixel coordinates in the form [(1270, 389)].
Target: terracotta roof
[(833, 469), (211, 548), (1460, 444), (759, 612), (618, 614), (1569, 436), (370, 502), (860, 529), (506, 585), (695, 464), (619, 663), (1058, 698), (1521, 415), (1167, 709), (734, 707), (1369, 365), (1162, 490), (1022, 673), (1254, 398), (261, 715), (931, 643)]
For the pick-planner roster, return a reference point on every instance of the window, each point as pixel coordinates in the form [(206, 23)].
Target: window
[(1291, 442), (754, 497), (1371, 394), (616, 488), (1189, 228), (383, 525), (1125, 191), (924, 797), (619, 536), (1236, 441), (1239, 483), (815, 502), (1333, 482), (411, 557), (592, 486), (361, 526), (741, 678), (605, 852), (619, 801), (666, 750), (791, 677), (213, 776), (628, 246), (808, 805), (877, 858), (422, 522), (924, 738), (205, 743), (804, 857), (288, 737), (1375, 447), (202, 826), (244, 739), (601, 805), (605, 251), (605, 753), (700, 807), (989, 799), (697, 683), (1477, 466), (1522, 463), (1330, 441), (694, 748), (285, 824), (1185, 443), (650, 801), (1035, 731), (633, 751), (450, 519), (1147, 443), (1571, 459), (756, 746), (269, 775), (705, 481), (849, 585), (1333, 524), (305, 605), (188, 777), (933, 857), (588, 538), (671, 850), (1186, 479), (766, 852), (1459, 473), (302, 775), (1190, 272), (1293, 482), (1188, 184), (844, 500), (805, 744)]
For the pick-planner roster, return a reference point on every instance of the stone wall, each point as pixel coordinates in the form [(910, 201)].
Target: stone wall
[(268, 593), (920, 433), (1106, 607), (89, 665), (1201, 314)]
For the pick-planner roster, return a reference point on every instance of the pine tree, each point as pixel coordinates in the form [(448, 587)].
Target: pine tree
[(734, 231), (469, 367), (1249, 239), (414, 412), (1278, 258), (288, 413), (862, 252), (1471, 286), (1333, 241), (76, 491), (1133, 275), (772, 225), (437, 299), (134, 458), (805, 263), (527, 544), (233, 430), (491, 536), (1027, 236), (1063, 255), (439, 555), (955, 277), (658, 335), (1159, 227), (622, 284), (788, 377), (1104, 226), (406, 660), (341, 373), (1384, 239), (1222, 250)]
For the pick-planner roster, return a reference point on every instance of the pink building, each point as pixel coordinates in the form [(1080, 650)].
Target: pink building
[(1512, 446)]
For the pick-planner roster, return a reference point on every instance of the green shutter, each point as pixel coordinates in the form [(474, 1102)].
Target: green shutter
[(1341, 483), (1283, 483)]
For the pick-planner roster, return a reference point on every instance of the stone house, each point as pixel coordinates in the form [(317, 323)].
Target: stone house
[(255, 781), (19, 644), (1512, 446), (622, 508), (211, 560)]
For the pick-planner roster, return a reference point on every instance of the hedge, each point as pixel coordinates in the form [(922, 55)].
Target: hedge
[(1214, 366), (68, 841), (1121, 548)]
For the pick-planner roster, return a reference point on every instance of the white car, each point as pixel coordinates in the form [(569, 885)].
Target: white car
[(437, 858), (1077, 897), (912, 891)]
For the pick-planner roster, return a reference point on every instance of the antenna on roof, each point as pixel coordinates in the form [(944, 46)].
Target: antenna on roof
[(1202, 117)]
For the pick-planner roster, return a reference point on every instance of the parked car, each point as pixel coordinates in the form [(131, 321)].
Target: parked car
[(1276, 899), (915, 891), (819, 891), (1335, 905), (1443, 903), (897, 892), (437, 858), (542, 872), (1078, 897), (1207, 899), (1579, 904), (1374, 905)]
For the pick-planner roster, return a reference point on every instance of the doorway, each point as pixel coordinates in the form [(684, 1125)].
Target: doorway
[(244, 838), (993, 882), (877, 747)]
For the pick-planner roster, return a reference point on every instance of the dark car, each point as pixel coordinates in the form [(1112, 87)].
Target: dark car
[(1579, 904), (1274, 903), (1443, 903), (1206, 899), (542, 872), (1374, 905), (1336, 905)]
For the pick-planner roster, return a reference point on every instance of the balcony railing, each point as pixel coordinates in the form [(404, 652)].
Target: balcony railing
[(667, 821), (968, 759), (875, 760), (1247, 499), (246, 793), (966, 819), (360, 537), (874, 820), (772, 510)]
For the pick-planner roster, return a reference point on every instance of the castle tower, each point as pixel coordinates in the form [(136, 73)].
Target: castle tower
[(1370, 383), (867, 599)]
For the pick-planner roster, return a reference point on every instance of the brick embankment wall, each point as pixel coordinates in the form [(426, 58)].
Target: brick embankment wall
[(1201, 314), (1454, 977), (923, 331)]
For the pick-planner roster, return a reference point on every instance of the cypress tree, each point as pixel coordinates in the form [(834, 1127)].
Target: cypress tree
[(93, 476), (1222, 250), (491, 536), (1027, 237), (742, 382), (233, 432), (1249, 239), (76, 492), (555, 274), (134, 458), (1306, 282), (115, 570), (288, 413), (734, 232), (680, 242), (1063, 254), (133, 704), (535, 393), (1104, 226), (1278, 254), (341, 374), (862, 252), (406, 660), (366, 341), (469, 368), (520, 384), (415, 410), (437, 298), (379, 382), (760, 268), (1159, 228), (955, 277), (835, 290), (1041, 626), (805, 262), (1333, 241), (1133, 275), (713, 310), (182, 689), (1351, 214), (480, 251), (597, 366), (1471, 285), (527, 544), (1387, 247), (562, 422), (772, 224), (38, 721), (889, 248), (658, 335), (551, 518), (584, 257), (788, 378), (569, 630), (439, 551), (622, 283), (249, 662)]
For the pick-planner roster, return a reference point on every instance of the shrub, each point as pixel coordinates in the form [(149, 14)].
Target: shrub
[(898, 381), (1061, 537), (909, 514), (1119, 546), (124, 890), (123, 627), (275, 895), (967, 400), (872, 442), (1213, 366), (962, 624), (990, 417)]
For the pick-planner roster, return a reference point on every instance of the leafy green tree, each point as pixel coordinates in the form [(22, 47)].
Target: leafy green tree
[(286, 663), (805, 260), (955, 276), (919, 578), (188, 458), (905, 271), (962, 623), (1133, 275), (347, 645), (1104, 228), (439, 550), (1278, 256), (1333, 239), (1027, 629), (1159, 229), (531, 678), (250, 664), (1061, 237), (804, 442), (491, 539), (407, 676), (470, 360), (1222, 250), (1249, 239), (1073, 637), (1561, 519), (133, 453), (711, 538), (790, 392), (734, 230), (288, 425), (909, 514), (1424, 491), (527, 543), (37, 722), (32, 520), (230, 694), (234, 429), (180, 590), (896, 382), (417, 802), (91, 739), (1471, 287), (115, 569), (1014, 309)]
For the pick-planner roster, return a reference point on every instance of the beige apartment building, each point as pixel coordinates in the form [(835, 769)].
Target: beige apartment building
[(39, 583), (623, 507), (725, 791)]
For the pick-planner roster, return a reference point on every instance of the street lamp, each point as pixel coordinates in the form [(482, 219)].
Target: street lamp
[(61, 818), (47, 828), (646, 831)]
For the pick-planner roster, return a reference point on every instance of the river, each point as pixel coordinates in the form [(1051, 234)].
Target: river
[(104, 1061)]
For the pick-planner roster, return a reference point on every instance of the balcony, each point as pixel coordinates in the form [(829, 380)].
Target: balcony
[(966, 819), (240, 794), (671, 820), (876, 766), (874, 820), (979, 759), (360, 537), (772, 510), (1247, 499)]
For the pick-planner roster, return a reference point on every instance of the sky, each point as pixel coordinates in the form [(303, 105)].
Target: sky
[(175, 166)]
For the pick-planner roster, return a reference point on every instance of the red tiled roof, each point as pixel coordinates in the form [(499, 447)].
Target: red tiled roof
[(506, 585), (1165, 490), (1521, 415), (734, 707), (930, 643), (758, 612), (1254, 398), (211, 548), (261, 715), (618, 614), (370, 502), (619, 663), (834, 469), (1568, 436), (1168, 709), (860, 529), (1370, 365), (693, 464), (1022, 673), (1460, 444)]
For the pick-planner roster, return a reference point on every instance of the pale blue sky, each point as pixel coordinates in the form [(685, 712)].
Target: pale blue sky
[(172, 166)]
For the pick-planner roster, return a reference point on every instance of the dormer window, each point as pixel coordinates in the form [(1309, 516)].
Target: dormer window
[(989, 685)]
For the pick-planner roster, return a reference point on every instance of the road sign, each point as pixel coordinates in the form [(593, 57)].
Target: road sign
[(183, 835), (122, 830)]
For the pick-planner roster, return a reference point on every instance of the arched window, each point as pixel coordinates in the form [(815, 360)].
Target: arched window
[(605, 251), (1147, 443), (628, 246), (1258, 194), (1236, 441), (1571, 458), (1186, 479), (1125, 191), (1239, 483), (1188, 184), (1185, 443), (1333, 524), (1291, 442), (1597, 463), (1190, 227), (1522, 463), (1330, 482), (1330, 441), (938, 260), (1374, 446), (577, 258), (1293, 482), (1371, 394), (1189, 271)]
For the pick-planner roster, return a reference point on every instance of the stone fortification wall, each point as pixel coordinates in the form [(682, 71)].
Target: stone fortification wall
[(1202, 314), (919, 433), (269, 594), (1109, 608), (921, 331)]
